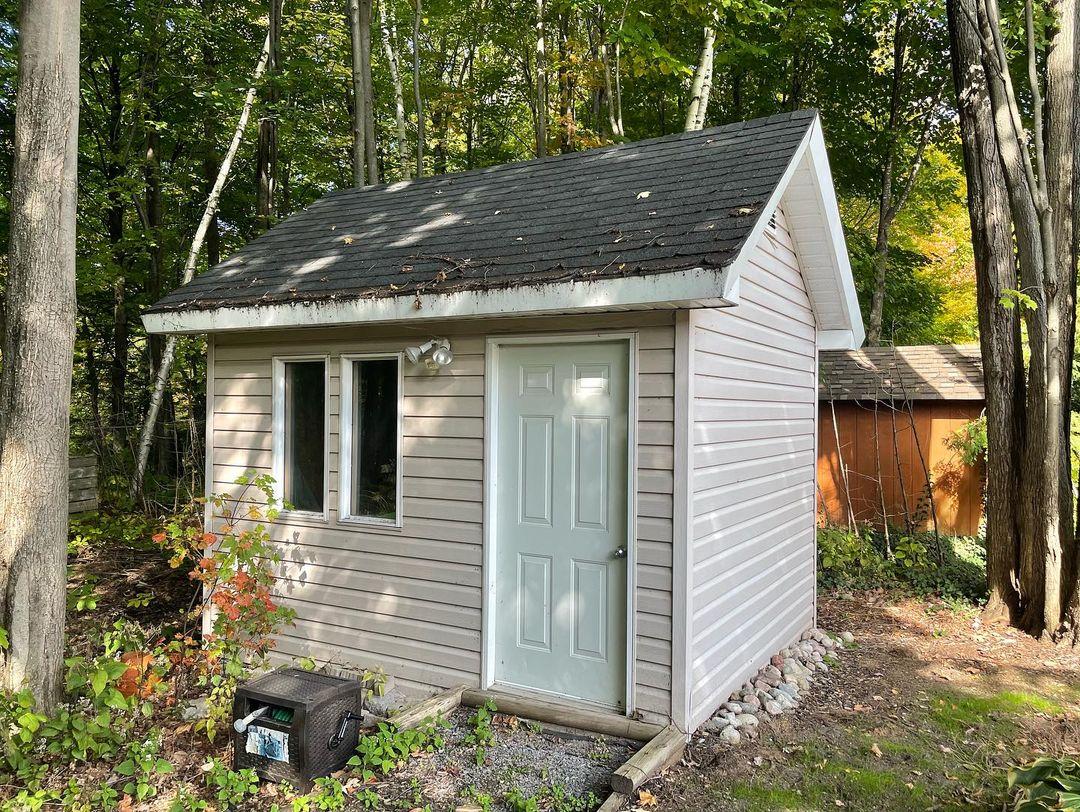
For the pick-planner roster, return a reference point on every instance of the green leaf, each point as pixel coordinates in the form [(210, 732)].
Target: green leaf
[(126, 767), (98, 680)]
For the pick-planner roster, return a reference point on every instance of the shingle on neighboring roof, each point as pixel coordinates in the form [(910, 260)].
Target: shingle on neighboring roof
[(926, 372), (666, 204)]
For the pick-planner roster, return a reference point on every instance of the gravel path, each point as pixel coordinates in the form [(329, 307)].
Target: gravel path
[(526, 757)]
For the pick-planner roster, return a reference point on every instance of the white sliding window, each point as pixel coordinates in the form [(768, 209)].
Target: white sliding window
[(300, 429), (371, 398)]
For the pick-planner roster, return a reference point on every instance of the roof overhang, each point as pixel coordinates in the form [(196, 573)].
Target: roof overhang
[(697, 287), (805, 190)]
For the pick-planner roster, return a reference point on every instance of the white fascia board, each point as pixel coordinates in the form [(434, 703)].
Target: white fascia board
[(697, 287), (839, 340), (811, 156), (819, 164)]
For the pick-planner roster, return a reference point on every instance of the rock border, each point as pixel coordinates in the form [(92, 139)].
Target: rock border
[(777, 687)]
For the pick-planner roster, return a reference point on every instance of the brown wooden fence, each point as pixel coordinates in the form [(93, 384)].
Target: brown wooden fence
[(887, 455)]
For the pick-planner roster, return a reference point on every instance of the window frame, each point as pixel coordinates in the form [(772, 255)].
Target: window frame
[(278, 432), (346, 431)]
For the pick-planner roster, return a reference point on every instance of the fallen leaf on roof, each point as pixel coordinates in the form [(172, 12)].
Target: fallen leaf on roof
[(347, 240), (643, 195)]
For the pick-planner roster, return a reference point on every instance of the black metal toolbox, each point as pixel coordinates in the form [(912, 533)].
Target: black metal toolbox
[(295, 725)]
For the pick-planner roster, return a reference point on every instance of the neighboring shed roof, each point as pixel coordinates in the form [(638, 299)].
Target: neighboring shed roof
[(665, 204), (927, 372)]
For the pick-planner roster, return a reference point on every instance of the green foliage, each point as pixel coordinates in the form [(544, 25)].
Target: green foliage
[(554, 797), (953, 567), (1046, 784), (142, 765), (326, 794), (387, 748), (481, 734), (969, 441), (230, 787), (236, 567)]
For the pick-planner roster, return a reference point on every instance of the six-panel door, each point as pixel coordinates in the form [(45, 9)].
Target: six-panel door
[(561, 536)]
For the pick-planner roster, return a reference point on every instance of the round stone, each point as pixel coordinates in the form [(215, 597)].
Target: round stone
[(730, 735), (773, 708)]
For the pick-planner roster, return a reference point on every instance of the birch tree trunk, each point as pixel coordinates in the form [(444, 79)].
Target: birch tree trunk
[(541, 83), (418, 98), (359, 128), (39, 335), (161, 377), (389, 39), (702, 84)]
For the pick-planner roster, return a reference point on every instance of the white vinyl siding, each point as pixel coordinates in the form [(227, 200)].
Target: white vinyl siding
[(752, 471), (409, 599)]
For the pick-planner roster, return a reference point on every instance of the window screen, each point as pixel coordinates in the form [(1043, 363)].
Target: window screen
[(375, 439), (305, 435)]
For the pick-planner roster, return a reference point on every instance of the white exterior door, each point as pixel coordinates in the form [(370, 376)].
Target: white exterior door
[(561, 513)]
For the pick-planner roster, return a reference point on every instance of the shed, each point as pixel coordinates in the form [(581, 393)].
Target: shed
[(547, 427), (887, 416)]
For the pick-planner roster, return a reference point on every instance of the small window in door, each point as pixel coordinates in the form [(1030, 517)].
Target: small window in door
[(372, 412), (303, 440)]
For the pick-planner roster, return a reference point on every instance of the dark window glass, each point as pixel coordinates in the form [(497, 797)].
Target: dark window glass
[(305, 435), (375, 430)]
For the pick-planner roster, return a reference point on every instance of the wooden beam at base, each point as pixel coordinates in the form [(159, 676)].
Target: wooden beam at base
[(615, 801), (661, 752), (438, 705), (555, 712)]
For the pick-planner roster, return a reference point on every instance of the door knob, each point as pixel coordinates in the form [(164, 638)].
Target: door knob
[(620, 552)]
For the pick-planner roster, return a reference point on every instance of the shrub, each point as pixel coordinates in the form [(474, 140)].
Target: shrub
[(1046, 784), (953, 567)]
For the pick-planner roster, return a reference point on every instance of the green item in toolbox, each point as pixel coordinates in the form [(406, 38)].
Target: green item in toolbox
[(281, 714)]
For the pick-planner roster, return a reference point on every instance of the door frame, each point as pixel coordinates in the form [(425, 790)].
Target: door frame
[(490, 535)]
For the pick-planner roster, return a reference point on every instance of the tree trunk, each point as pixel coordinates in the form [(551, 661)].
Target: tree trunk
[(114, 224), (161, 377), (369, 92), (210, 163), (39, 335), (541, 83), (702, 85), (999, 327), (886, 213), (266, 157), (359, 151), (418, 98), (389, 39)]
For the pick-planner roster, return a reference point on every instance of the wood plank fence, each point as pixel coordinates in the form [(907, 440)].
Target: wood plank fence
[(887, 458), (82, 484)]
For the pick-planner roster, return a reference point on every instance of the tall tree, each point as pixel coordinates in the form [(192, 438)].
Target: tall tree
[(541, 83), (266, 155), (702, 84), (39, 335), (161, 374), (359, 94), (389, 40), (910, 120), (418, 97), (1038, 174)]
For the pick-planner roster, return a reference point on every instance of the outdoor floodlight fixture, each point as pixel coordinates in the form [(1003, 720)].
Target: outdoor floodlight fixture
[(441, 355)]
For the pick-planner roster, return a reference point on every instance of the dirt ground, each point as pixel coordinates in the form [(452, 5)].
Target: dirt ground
[(926, 712)]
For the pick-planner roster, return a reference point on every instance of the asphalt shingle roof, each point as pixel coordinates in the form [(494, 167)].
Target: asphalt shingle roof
[(926, 372), (666, 204)]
